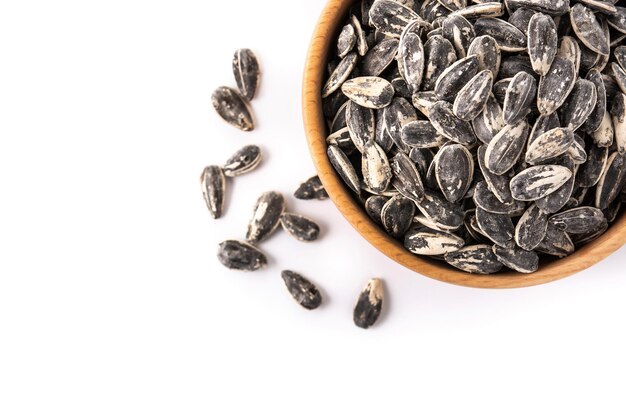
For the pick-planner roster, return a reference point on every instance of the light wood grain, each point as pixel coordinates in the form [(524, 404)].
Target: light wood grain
[(323, 40)]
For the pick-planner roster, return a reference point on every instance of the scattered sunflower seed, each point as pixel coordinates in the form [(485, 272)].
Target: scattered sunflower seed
[(369, 304), (247, 73), (213, 189), (233, 108), (265, 216), (240, 256), (243, 161), (300, 227)]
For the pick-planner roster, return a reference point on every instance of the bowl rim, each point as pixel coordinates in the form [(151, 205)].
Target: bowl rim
[(315, 130)]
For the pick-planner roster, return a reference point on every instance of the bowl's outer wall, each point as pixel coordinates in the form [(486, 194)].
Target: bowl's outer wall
[(315, 128)]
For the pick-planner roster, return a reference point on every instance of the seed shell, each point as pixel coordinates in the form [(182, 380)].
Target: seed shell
[(579, 105), (612, 181), (375, 167), (594, 119), (244, 160), (483, 9), (455, 77), (509, 38), (302, 290), (542, 42), (578, 220), (539, 181), (487, 201), (618, 20), (477, 259), (442, 117), (407, 175), (460, 32), (397, 215), (520, 18), (472, 98), (454, 170), (570, 49), (549, 145), (303, 229), (556, 85), (380, 57), (346, 40), (361, 42), (556, 242), (531, 228), (214, 189), (490, 121), (519, 96), (411, 56), (340, 74), (369, 92), (487, 52), (551, 7), (247, 73), (423, 241), (506, 147), (233, 108), (555, 201), (240, 256), (311, 189), (441, 211), (439, 54), (370, 302), (497, 184), (497, 227), (590, 172), (391, 17), (344, 168), (266, 216), (588, 29), (374, 207), (421, 134), (618, 110), (603, 137), (392, 121), (361, 124), (518, 259)]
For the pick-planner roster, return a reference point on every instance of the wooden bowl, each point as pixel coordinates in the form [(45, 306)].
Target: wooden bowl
[(322, 43)]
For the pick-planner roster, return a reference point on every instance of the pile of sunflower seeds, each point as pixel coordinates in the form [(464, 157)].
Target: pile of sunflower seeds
[(484, 134)]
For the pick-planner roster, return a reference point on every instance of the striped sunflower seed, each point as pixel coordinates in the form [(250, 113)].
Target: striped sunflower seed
[(375, 167), (346, 41), (247, 72), (570, 49), (486, 200), (454, 171), (361, 43), (590, 172), (455, 77), (391, 17), (531, 228), (555, 201), (302, 290), (361, 124), (578, 220), (374, 207), (340, 74), (542, 42), (408, 176), (370, 92), (543, 124), (397, 215), (588, 29), (556, 242), (380, 57), (605, 7), (498, 228), (459, 32), (240, 256), (483, 9), (549, 145), (423, 241), (423, 101), (411, 56), (520, 18), (506, 147), (611, 181), (477, 259), (553, 8), (618, 20), (539, 181), (439, 54), (509, 38), (497, 184), (440, 210), (579, 105), (556, 85), (487, 51), (392, 121), (243, 161), (303, 229), (618, 111), (265, 216), (370, 302), (472, 98), (214, 189), (442, 117), (517, 259), (311, 189), (233, 108), (519, 96), (344, 168), (594, 119), (490, 121)]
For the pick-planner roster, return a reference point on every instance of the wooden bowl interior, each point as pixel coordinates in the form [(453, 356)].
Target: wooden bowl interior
[(330, 22)]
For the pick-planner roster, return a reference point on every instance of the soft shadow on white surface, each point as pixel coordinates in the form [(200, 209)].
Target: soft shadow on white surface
[(112, 301)]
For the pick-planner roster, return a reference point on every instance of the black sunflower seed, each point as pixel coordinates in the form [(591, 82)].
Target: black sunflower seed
[(454, 170), (556, 242), (301, 228), (472, 98), (551, 7), (460, 32), (370, 92), (497, 227), (595, 118), (490, 121), (214, 190), (390, 17), (265, 216), (588, 29), (411, 56), (618, 20), (477, 259), (344, 168), (556, 85), (570, 49), (311, 189), (346, 40), (243, 161), (505, 148), (421, 134), (516, 258), (423, 101), (441, 211), (455, 77), (618, 111), (620, 56), (511, 65), (549, 145), (485, 9), (487, 51), (487, 201), (240, 256), (422, 159), (397, 215), (556, 200), (577, 151), (605, 7), (578, 220), (509, 38), (379, 57), (374, 207), (233, 108), (340, 74), (407, 175), (302, 290), (439, 55), (519, 96), (392, 121), (361, 124), (375, 167), (531, 228), (579, 105), (497, 184), (448, 125), (520, 18), (590, 172), (424, 241), (543, 124), (542, 42), (369, 304), (361, 42), (247, 73), (611, 181), (537, 182)]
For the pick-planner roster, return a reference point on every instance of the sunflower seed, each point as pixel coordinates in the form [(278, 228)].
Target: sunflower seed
[(266, 216), (590, 172), (421, 241), (233, 108), (423, 101), (555, 201), (369, 304), (302, 290), (374, 207), (455, 77), (499, 89), (487, 52), (379, 57), (611, 182), (448, 125), (240, 256), (556, 243), (506, 147), (509, 38), (429, 223), (583, 239), (422, 159), (346, 40), (472, 228), (618, 20), (531, 228), (421, 134), (497, 227), (579, 105), (454, 170), (459, 31), (594, 120), (602, 6), (517, 259), (214, 190), (344, 168), (339, 121), (397, 215), (361, 42), (497, 184), (577, 151), (519, 96), (300, 227), (342, 139), (549, 145), (441, 210), (542, 42), (612, 211), (537, 182), (340, 75), (401, 88), (243, 161), (407, 174), (477, 259), (588, 59), (570, 50), (618, 110), (439, 55), (411, 56), (543, 124), (375, 167), (370, 92), (390, 17), (490, 121), (619, 75), (247, 73), (556, 85), (361, 125), (578, 220), (311, 189), (588, 29), (483, 9), (471, 100), (487, 201), (520, 18), (553, 8), (432, 10)]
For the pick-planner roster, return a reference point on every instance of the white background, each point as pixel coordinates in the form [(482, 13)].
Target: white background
[(112, 302)]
